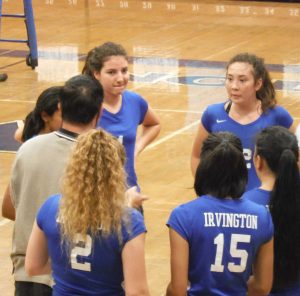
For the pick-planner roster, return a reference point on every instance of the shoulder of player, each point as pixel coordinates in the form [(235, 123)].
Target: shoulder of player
[(215, 110), (254, 207), (131, 96), (189, 206), (276, 110), (52, 200)]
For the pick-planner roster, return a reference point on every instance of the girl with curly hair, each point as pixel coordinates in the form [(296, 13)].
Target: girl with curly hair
[(94, 241)]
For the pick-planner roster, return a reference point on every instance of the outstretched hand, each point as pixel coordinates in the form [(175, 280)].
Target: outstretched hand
[(135, 198)]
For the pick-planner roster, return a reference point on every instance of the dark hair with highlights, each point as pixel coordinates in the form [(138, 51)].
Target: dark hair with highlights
[(266, 94)]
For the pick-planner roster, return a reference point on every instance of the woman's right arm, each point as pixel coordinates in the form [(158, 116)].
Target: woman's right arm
[(201, 135), (260, 283), (19, 131), (37, 259), (134, 267), (8, 209)]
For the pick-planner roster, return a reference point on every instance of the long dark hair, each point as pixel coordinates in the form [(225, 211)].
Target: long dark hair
[(47, 102), (222, 170), (266, 94), (279, 148)]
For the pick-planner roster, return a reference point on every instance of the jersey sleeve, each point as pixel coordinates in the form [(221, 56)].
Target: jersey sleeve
[(283, 117), (268, 228), (136, 226), (47, 207), (206, 118), (178, 221)]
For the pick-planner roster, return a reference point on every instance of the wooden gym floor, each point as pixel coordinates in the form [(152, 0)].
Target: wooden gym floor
[(179, 50)]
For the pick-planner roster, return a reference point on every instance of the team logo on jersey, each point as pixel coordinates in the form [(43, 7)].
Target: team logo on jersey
[(221, 120)]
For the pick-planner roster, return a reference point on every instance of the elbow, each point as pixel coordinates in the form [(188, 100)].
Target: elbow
[(158, 128), (260, 290), (8, 214), (31, 270), (265, 289), (143, 291), (176, 290), (138, 293)]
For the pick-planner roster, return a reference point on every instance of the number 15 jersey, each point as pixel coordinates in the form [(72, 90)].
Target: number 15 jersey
[(223, 236)]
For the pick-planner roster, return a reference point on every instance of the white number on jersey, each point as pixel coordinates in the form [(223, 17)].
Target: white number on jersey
[(234, 252), (248, 156), (82, 248), (120, 139)]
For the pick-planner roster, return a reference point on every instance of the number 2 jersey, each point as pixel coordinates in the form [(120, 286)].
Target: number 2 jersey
[(224, 236), (216, 119), (95, 267)]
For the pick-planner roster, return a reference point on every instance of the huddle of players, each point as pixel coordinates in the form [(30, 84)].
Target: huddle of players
[(222, 243)]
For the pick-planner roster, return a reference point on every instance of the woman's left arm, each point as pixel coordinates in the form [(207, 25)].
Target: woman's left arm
[(179, 265), (150, 130), (8, 209), (37, 259), (293, 128)]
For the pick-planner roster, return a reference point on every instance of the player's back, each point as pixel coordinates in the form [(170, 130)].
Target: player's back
[(92, 266), (224, 236)]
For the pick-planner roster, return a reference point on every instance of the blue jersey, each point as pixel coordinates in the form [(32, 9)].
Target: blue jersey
[(259, 196), (94, 267), (216, 119), (223, 237), (123, 125)]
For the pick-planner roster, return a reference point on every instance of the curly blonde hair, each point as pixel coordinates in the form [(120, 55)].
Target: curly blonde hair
[(93, 187)]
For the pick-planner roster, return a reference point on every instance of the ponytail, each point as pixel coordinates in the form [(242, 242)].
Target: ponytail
[(32, 126), (279, 148), (285, 210), (47, 102)]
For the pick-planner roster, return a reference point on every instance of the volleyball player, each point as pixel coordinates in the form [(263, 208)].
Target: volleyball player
[(276, 157), (251, 106), (123, 110), (218, 238), (94, 240)]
